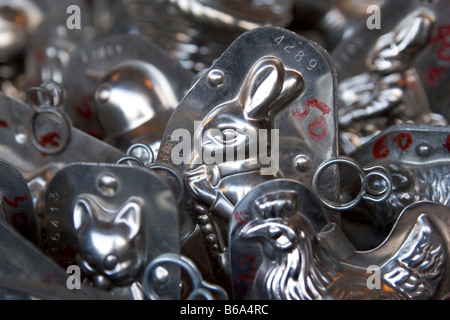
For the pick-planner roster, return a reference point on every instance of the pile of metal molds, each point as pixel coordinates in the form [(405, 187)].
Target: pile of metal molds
[(233, 150)]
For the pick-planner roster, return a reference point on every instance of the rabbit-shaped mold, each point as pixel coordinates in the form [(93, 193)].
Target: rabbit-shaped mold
[(234, 126), (396, 51), (389, 91), (215, 187)]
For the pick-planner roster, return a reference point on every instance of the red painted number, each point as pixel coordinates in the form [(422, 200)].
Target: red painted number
[(434, 74), (403, 140), (443, 34), (446, 145), (318, 128), (381, 149), (241, 218), (15, 203), (19, 220), (246, 269)]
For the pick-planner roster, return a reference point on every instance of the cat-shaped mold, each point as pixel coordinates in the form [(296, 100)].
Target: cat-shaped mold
[(111, 220), (110, 244)]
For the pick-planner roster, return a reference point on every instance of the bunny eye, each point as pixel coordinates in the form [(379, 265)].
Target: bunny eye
[(229, 135)]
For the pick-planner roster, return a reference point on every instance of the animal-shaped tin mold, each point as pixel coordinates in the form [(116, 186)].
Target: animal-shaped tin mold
[(350, 54), (111, 220), (284, 247), (418, 157), (390, 91), (423, 95), (264, 109), (27, 273), (123, 89)]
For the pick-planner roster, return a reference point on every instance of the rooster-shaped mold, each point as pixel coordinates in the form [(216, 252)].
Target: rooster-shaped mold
[(284, 247)]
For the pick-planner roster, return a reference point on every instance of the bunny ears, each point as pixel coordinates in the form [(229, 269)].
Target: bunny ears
[(268, 88)]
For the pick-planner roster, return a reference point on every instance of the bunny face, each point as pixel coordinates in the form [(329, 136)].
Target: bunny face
[(108, 244), (267, 89), (228, 128)]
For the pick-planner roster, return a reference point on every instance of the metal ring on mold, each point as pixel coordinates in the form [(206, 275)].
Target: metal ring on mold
[(46, 85), (39, 106), (362, 194), (131, 158), (177, 177), (201, 288), (154, 166), (386, 176), (146, 148), (31, 130)]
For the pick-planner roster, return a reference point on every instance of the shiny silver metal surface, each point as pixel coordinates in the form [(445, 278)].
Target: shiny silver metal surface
[(418, 158), (17, 20), (123, 89), (156, 275), (27, 271), (343, 18), (196, 32), (13, 25), (134, 96), (34, 165), (280, 95), (16, 147), (93, 218), (430, 65), (230, 149), (48, 105), (390, 91), (17, 204), (283, 246), (50, 44), (366, 192)]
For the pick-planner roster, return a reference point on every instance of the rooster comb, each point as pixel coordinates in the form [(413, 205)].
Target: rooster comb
[(281, 204)]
